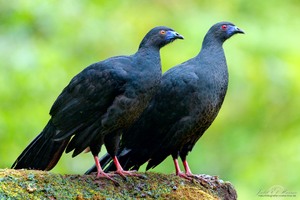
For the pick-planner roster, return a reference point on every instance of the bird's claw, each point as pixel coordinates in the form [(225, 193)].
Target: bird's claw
[(104, 175), (125, 174), (183, 175)]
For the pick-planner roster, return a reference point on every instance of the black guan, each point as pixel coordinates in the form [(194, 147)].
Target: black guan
[(98, 104), (188, 100)]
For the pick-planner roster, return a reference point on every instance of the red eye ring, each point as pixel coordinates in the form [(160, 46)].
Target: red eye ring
[(224, 27), (162, 32)]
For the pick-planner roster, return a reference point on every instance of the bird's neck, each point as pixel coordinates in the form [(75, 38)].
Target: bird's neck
[(148, 48), (212, 48), (149, 55), (210, 43)]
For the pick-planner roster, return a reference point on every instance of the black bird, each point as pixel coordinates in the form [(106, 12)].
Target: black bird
[(187, 102), (98, 104)]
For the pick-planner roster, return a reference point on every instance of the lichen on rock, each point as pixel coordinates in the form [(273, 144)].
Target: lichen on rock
[(33, 184)]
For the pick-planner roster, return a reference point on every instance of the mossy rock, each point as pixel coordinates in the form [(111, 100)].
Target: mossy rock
[(32, 184)]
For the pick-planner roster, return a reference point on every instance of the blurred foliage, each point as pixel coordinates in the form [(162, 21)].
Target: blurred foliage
[(254, 142)]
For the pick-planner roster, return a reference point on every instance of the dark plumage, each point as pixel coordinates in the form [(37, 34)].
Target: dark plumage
[(187, 102), (98, 104)]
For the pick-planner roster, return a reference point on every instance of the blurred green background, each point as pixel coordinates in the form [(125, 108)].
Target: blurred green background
[(253, 143)]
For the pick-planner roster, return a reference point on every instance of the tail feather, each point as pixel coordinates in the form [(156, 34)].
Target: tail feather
[(43, 152), (156, 160), (82, 141), (152, 164)]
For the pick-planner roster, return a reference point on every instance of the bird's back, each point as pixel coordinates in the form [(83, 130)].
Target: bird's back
[(99, 103), (188, 100)]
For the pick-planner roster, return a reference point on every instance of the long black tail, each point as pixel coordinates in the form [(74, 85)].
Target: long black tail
[(43, 152), (125, 158)]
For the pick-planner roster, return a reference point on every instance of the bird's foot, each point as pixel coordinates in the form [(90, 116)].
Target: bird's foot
[(107, 176), (183, 175), (189, 174), (124, 173)]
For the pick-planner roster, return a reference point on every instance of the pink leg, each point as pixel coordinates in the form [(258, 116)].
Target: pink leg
[(121, 171), (100, 172), (187, 168), (179, 172)]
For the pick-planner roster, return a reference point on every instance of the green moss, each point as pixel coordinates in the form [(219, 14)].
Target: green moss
[(30, 184)]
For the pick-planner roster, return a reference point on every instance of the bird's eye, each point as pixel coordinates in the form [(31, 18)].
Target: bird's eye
[(162, 32), (224, 27)]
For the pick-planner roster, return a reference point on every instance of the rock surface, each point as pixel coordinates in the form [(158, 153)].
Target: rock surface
[(33, 184)]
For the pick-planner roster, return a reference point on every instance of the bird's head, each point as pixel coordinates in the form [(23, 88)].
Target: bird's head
[(160, 36), (224, 30)]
